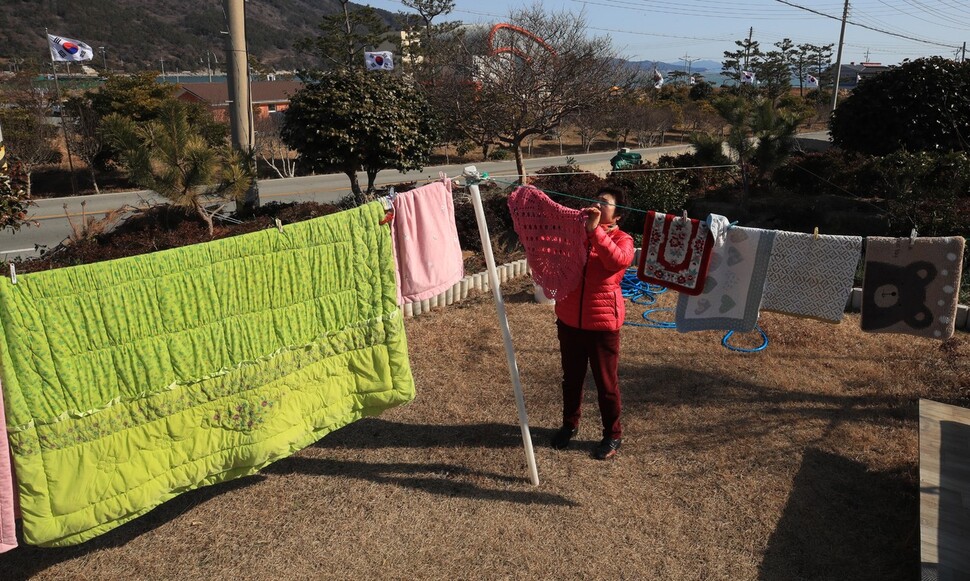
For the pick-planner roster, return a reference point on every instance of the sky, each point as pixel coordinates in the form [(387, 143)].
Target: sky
[(672, 31)]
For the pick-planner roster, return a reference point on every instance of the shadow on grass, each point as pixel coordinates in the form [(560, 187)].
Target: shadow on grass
[(446, 479), (26, 560), (760, 410), (434, 478), (373, 433), (843, 521)]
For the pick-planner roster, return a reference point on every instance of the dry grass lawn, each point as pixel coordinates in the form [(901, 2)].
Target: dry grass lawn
[(799, 462)]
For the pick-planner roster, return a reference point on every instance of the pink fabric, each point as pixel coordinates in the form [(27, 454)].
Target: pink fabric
[(554, 238), (8, 534), (426, 249)]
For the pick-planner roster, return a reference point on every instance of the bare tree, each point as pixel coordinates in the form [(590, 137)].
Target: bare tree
[(85, 136), (28, 135), (271, 148), (527, 76), (591, 124)]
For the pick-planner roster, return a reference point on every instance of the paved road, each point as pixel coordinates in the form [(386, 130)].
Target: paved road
[(54, 226)]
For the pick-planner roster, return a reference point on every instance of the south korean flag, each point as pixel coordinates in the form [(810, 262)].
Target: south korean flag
[(379, 61)]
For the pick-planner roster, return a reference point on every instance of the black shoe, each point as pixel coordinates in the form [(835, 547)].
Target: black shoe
[(560, 440), (607, 448)]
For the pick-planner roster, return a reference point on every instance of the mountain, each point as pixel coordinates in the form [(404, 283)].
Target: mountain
[(706, 67), (138, 34)]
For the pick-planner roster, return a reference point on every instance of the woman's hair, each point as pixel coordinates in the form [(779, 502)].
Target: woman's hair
[(619, 198)]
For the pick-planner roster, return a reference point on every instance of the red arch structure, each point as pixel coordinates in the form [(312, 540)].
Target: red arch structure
[(508, 49)]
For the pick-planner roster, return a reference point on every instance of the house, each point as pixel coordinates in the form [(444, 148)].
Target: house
[(268, 97), (853, 73)]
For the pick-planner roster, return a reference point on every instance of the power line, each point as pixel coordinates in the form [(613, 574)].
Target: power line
[(913, 38)]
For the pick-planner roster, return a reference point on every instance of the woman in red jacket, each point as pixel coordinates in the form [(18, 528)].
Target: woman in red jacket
[(589, 321)]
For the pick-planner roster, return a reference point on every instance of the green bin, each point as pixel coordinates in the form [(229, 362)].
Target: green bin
[(625, 159)]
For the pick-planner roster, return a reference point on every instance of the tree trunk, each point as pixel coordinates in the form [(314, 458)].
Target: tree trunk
[(206, 217), (560, 144), (355, 186), (94, 179), (27, 173), (519, 162), (371, 178)]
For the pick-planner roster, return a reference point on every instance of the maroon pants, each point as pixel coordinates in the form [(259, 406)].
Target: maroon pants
[(600, 350)]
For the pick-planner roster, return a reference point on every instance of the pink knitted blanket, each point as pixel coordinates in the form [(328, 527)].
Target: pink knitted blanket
[(8, 536), (554, 237)]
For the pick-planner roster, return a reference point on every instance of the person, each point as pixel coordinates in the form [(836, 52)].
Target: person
[(588, 323)]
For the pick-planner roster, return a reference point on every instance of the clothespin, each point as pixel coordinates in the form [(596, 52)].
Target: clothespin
[(279, 225), (388, 216), (13, 273), (912, 237), (815, 233), (685, 216)]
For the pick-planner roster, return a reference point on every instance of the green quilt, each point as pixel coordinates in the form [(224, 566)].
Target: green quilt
[(131, 381)]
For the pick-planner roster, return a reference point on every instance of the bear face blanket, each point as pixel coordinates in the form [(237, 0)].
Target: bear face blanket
[(911, 286), (131, 381)]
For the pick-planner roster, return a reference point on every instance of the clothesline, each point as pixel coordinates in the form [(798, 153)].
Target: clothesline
[(653, 169), (592, 200)]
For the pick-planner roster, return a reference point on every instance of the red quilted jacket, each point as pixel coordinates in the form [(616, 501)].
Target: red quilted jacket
[(597, 305)]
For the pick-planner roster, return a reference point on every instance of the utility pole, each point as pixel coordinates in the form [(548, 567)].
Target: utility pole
[(689, 62), (964, 59), (838, 59), (104, 59), (240, 99)]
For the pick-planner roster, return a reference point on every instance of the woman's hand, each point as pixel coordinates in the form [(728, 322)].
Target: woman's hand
[(592, 218)]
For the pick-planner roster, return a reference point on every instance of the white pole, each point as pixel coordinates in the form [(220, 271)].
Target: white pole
[(472, 174)]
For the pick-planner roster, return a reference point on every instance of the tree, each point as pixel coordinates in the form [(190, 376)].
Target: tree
[(436, 42), (816, 60), (85, 136), (14, 199), (29, 138), (774, 74), (140, 98), (271, 148), (514, 84), (353, 120), (343, 39), (760, 133), (745, 58), (168, 155), (921, 105)]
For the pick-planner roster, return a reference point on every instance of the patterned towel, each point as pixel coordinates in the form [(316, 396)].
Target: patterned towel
[(676, 253), (911, 286), (734, 287), (811, 278), (426, 251), (554, 237), (8, 534)]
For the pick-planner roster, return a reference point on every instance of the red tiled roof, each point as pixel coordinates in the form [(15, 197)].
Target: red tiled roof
[(217, 94)]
